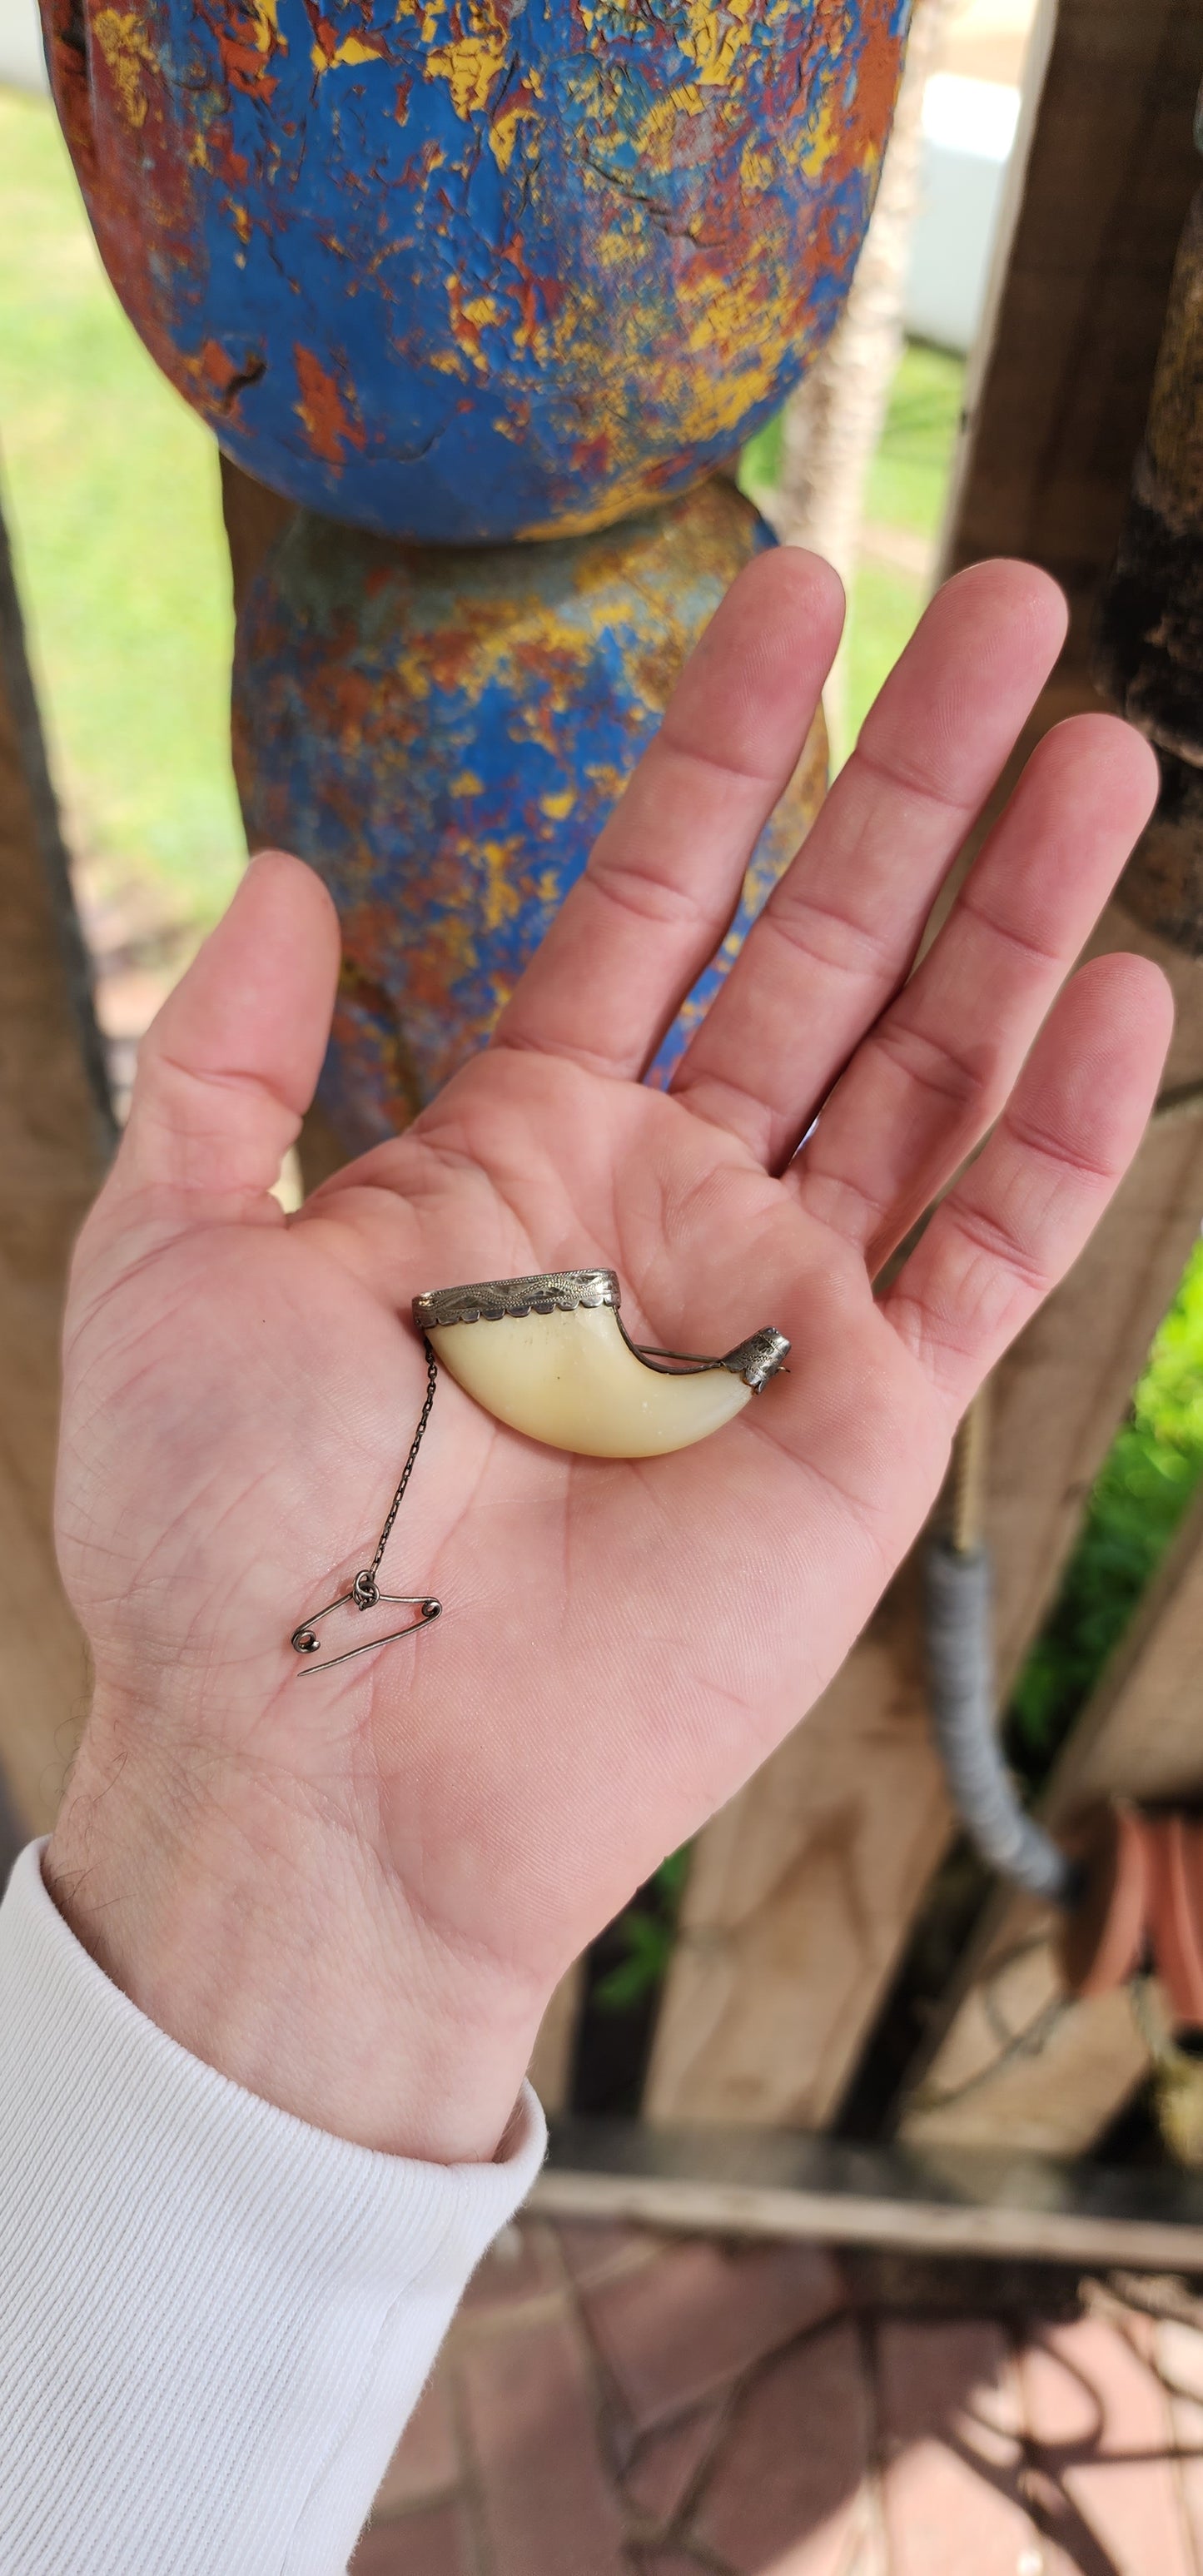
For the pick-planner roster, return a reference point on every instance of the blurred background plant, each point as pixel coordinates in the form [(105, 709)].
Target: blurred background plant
[(1146, 1483)]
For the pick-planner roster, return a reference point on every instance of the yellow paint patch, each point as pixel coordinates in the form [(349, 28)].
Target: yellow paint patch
[(467, 784), (503, 133), (242, 222), (757, 171), (617, 247), (501, 896), (469, 65), (351, 50), (465, 329), (267, 32), (121, 41), (715, 39), (723, 318), (685, 100), (559, 805), (413, 675), (825, 141)]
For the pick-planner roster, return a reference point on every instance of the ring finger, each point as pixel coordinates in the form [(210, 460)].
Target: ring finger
[(934, 1073)]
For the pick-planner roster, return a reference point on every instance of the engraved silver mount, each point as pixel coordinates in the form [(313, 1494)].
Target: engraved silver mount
[(548, 1292), (545, 1292)]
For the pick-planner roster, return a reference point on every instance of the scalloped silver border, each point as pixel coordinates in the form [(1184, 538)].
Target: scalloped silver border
[(486, 1301)]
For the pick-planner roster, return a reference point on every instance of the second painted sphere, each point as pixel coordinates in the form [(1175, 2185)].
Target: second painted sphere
[(442, 735)]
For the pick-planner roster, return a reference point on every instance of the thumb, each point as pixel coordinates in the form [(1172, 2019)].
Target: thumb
[(228, 1068)]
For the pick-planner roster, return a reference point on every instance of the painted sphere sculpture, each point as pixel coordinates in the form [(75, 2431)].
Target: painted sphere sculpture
[(470, 270), (443, 735)]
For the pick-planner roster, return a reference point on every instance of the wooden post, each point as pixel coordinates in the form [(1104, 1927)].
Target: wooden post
[(791, 1917), (55, 1133), (1141, 1737), (750, 2182), (802, 1894)]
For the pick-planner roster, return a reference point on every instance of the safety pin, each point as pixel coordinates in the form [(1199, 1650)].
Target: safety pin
[(363, 1595)]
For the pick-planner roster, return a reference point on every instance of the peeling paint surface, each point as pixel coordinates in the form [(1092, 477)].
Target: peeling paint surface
[(443, 734), (469, 270)]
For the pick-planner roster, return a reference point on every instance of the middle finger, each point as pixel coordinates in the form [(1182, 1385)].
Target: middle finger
[(839, 933)]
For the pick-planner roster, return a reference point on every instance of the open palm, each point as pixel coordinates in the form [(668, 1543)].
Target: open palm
[(622, 1641)]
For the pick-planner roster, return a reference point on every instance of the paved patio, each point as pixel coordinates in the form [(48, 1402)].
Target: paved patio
[(611, 2403)]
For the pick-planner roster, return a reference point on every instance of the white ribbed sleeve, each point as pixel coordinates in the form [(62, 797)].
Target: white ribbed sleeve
[(213, 2318)]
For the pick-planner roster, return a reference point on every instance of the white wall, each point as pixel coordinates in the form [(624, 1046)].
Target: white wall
[(968, 131), (22, 62)]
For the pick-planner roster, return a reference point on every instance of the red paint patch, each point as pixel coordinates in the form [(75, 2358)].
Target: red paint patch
[(233, 167), (218, 368), (245, 56), (322, 410)]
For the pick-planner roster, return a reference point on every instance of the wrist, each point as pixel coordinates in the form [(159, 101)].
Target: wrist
[(276, 1947)]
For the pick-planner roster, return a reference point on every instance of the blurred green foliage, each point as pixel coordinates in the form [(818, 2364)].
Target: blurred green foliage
[(760, 464), (648, 1930), (1149, 1477), (112, 492)]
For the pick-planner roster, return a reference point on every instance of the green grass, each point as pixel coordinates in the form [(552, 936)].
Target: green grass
[(112, 496), (905, 494), (887, 603), (908, 479)]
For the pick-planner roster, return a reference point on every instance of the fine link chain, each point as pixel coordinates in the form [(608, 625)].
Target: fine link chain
[(367, 1579)]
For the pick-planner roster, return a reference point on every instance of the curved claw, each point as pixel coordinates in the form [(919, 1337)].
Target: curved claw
[(305, 1640)]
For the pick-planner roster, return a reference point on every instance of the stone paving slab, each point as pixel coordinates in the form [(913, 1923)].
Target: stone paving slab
[(781, 2501), (614, 2403)]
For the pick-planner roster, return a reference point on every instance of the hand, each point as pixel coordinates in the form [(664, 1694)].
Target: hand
[(355, 1892)]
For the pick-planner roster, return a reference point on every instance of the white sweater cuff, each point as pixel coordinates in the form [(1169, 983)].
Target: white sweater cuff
[(216, 2318)]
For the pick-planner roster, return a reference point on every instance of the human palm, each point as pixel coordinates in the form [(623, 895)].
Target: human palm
[(623, 1641)]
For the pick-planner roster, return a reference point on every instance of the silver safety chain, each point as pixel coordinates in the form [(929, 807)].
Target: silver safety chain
[(364, 1593)]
